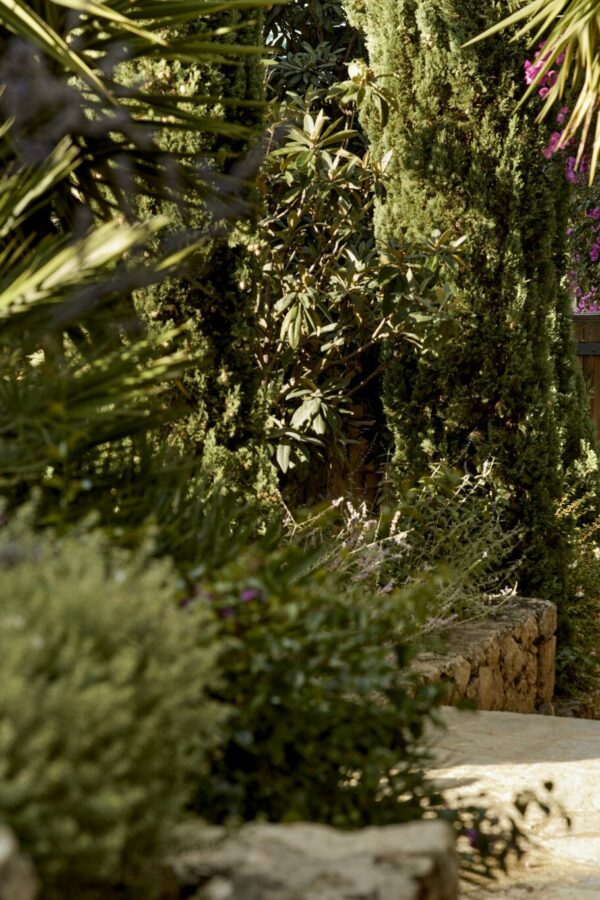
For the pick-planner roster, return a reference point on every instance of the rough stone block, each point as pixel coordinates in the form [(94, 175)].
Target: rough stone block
[(461, 673), (493, 655), (513, 659), (527, 632), (546, 670), (547, 620), (314, 862), (490, 691), (17, 878)]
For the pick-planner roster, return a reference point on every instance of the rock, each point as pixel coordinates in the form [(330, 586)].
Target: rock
[(546, 670), (513, 659), (461, 673), (547, 620), (493, 656), (17, 878), (491, 757), (315, 862), (490, 692)]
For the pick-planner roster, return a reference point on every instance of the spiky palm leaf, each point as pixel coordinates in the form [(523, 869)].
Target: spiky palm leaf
[(82, 387), (75, 84), (572, 28), (57, 408)]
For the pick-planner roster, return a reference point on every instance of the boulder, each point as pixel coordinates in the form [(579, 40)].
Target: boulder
[(315, 862)]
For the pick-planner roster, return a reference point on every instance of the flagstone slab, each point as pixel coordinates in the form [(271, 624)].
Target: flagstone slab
[(504, 753)]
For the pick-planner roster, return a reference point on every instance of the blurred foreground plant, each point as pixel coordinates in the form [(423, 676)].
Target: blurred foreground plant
[(105, 715)]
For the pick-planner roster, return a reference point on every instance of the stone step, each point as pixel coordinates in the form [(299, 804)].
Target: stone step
[(504, 753)]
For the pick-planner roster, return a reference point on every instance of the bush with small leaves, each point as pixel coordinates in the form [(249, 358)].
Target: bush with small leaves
[(105, 721)]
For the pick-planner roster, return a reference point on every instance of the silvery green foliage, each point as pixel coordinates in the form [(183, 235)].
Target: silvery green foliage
[(105, 719)]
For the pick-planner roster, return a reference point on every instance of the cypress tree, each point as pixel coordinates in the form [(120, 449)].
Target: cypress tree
[(225, 425), (464, 157)]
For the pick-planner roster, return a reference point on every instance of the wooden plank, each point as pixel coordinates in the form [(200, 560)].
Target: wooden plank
[(586, 329), (588, 348), (596, 394)]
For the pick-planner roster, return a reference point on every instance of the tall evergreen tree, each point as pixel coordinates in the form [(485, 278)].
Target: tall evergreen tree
[(225, 425), (462, 154)]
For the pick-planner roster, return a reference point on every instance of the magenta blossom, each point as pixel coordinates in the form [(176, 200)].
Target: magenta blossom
[(553, 144)]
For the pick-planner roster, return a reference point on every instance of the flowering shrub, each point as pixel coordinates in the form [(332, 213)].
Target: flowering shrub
[(584, 228)]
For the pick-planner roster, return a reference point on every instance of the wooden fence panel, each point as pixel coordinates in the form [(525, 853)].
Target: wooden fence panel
[(587, 339)]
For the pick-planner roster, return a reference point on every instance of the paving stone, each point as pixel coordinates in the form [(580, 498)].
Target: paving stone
[(504, 753)]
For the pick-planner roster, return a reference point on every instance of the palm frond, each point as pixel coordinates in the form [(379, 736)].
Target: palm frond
[(76, 84), (569, 29)]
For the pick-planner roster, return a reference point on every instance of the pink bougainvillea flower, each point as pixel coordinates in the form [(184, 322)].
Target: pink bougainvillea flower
[(553, 144)]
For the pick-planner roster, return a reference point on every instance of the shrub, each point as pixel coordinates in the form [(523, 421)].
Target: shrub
[(327, 721), (446, 523), (578, 663), (329, 300), (105, 721)]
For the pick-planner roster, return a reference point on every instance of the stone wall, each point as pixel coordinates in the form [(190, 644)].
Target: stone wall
[(303, 861), (502, 663)]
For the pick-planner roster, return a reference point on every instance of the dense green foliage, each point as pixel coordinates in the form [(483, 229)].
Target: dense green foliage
[(328, 300), (578, 662), (186, 302), (324, 708), (225, 421), (508, 388), (106, 719), (85, 383)]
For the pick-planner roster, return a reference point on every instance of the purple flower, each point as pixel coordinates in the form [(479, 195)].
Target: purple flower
[(595, 251), (553, 143), (227, 612), (570, 170), (532, 69), (472, 834), (250, 594)]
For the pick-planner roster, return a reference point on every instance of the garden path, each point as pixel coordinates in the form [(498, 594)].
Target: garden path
[(505, 753)]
